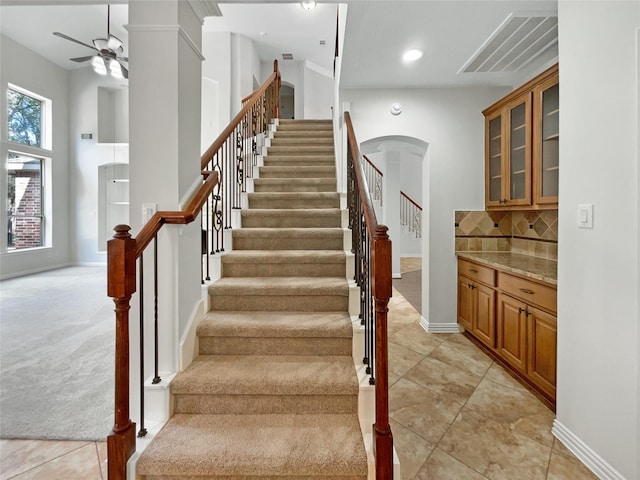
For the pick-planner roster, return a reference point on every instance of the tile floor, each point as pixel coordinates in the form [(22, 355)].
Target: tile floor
[(455, 415)]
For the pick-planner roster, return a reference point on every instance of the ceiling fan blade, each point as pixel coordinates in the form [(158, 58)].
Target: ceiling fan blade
[(114, 43), (81, 59), (123, 59), (125, 71), (66, 37), (100, 43)]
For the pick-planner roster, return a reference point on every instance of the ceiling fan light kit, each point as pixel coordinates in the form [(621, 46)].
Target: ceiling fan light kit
[(107, 59)]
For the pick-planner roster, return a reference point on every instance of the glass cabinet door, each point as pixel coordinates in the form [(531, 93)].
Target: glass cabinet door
[(494, 161), (519, 164), (547, 141)]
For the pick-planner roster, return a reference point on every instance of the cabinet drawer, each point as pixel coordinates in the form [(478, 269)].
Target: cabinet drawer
[(530, 292), (473, 271)]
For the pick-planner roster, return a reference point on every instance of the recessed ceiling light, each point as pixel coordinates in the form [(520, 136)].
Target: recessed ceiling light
[(411, 55), (308, 4), (263, 34)]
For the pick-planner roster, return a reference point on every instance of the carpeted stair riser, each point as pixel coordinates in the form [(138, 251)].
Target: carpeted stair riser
[(287, 263), (296, 200), (285, 302), (288, 239), (312, 134), (295, 185), (298, 172), (295, 218), (299, 161), (265, 404), (305, 128), (301, 142), (274, 346), (301, 150)]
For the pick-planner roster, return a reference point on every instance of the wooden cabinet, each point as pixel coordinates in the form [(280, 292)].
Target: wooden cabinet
[(514, 318), (476, 302), (508, 155), (521, 146)]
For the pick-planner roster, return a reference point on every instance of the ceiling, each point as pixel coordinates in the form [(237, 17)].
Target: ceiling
[(449, 32)]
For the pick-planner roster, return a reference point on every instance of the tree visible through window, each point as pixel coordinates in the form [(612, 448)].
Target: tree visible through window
[(24, 119)]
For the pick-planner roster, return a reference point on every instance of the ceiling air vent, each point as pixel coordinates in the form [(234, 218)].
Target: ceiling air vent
[(516, 42), (287, 56)]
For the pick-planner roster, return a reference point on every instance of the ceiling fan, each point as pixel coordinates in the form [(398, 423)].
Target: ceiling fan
[(107, 59)]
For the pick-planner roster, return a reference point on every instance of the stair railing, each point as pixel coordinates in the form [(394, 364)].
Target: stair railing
[(224, 171), (410, 214), (234, 155), (372, 249), (374, 179)]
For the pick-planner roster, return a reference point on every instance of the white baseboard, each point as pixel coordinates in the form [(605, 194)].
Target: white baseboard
[(411, 255), (396, 275), (584, 453), (432, 327), (22, 273), (188, 348), (88, 264)]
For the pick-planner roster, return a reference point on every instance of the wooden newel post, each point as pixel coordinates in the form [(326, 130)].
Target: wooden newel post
[(276, 108), (382, 290), (121, 284)]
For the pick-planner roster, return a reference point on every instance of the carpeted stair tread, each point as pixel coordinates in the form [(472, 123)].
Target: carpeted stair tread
[(261, 286), (301, 141), (284, 256), (268, 375), (291, 218), (233, 447), (295, 200), (298, 172), (303, 133), (301, 150), (295, 184), (276, 324), (288, 239), (299, 160)]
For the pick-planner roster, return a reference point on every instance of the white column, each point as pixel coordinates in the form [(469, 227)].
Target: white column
[(165, 77), (391, 206)]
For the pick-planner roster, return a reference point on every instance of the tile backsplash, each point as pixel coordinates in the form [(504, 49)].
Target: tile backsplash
[(529, 233)]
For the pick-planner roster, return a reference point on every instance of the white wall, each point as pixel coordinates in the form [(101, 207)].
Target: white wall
[(25, 69), (598, 398), (245, 64), (318, 99), (88, 155), (451, 122), (216, 69)]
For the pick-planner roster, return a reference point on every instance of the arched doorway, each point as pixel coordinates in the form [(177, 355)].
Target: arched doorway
[(287, 100)]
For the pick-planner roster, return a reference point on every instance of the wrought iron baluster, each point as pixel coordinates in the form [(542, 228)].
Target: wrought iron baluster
[(143, 431), (156, 378)]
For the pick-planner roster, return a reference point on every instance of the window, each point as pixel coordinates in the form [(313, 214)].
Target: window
[(27, 164), (25, 219), (24, 118)]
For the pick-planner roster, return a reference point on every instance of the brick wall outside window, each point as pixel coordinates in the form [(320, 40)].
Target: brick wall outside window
[(27, 229)]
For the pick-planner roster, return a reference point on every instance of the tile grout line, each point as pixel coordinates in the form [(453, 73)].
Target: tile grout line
[(50, 460)]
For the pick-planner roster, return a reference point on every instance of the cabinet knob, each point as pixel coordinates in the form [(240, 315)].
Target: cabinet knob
[(522, 310), (527, 291), (470, 286)]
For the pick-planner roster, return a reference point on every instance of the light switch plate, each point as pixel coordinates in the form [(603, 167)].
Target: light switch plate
[(585, 216), (148, 209)]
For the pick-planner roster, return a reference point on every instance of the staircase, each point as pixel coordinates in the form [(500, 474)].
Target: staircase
[(273, 392)]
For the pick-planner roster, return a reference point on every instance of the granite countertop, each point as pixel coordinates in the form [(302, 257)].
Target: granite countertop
[(526, 265)]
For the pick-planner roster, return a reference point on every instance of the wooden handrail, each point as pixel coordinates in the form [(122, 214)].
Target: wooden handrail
[(373, 166), (275, 79), (379, 278), (411, 200), (369, 211), (186, 216)]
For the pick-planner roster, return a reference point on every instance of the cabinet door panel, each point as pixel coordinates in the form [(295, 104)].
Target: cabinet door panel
[(465, 303), (546, 138), (494, 152), (485, 317), (519, 151), (542, 349), (512, 332)]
